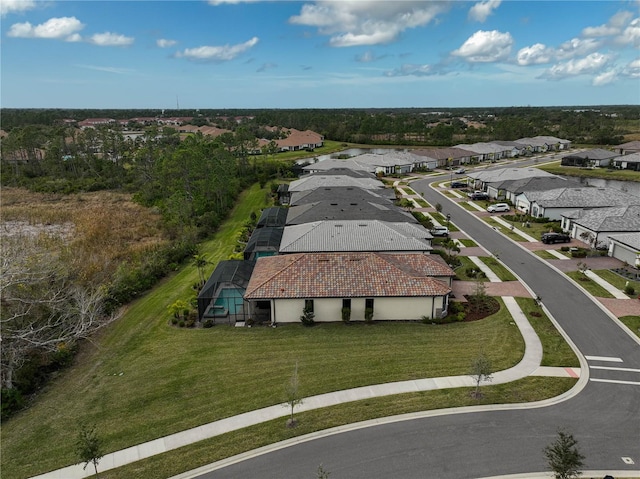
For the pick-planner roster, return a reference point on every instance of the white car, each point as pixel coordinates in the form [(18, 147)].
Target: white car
[(440, 231), (460, 171), (498, 208)]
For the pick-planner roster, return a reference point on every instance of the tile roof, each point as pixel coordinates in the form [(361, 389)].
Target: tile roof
[(354, 235), (345, 275)]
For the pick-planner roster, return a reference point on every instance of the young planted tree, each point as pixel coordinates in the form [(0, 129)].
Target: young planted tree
[(293, 396), (307, 317), (563, 456), (481, 370), (89, 446), (200, 261)]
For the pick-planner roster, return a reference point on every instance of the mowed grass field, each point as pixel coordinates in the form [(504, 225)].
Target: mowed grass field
[(142, 378)]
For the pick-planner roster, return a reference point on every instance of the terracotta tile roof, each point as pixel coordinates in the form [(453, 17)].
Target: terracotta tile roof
[(344, 275)]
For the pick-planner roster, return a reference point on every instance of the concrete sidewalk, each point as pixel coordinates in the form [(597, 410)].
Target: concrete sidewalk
[(529, 365)]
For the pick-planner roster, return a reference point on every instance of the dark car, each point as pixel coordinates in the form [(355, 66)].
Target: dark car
[(459, 184), (479, 195), (550, 238)]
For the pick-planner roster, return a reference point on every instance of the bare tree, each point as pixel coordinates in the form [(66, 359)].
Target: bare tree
[(481, 370), (41, 308), (293, 396)]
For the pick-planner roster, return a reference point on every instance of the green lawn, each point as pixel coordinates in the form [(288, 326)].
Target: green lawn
[(461, 271), (623, 175), (469, 243), (544, 254), (422, 203), (498, 268), (618, 281), (632, 322), (591, 286)]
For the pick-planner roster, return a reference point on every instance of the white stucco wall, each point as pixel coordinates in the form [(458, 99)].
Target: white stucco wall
[(329, 309)]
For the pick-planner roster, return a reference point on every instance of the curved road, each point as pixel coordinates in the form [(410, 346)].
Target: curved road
[(604, 417)]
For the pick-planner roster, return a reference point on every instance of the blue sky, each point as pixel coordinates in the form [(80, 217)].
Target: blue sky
[(318, 54)]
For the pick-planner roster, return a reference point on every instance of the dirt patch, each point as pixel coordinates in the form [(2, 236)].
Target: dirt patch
[(479, 308)]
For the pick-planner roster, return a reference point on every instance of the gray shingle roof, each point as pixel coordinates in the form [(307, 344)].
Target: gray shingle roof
[(586, 197), (343, 194), (354, 235), (632, 240), (312, 182), (620, 218), (502, 174), (337, 210), (594, 154), (537, 183)]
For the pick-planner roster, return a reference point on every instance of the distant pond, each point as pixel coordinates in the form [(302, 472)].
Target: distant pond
[(631, 187)]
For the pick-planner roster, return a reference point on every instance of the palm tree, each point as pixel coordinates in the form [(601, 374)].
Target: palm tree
[(200, 261)]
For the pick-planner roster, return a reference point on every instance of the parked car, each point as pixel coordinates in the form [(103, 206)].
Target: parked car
[(479, 195), (460, 171), (498, 207), (459, 184), (550, 238), (440, 231)]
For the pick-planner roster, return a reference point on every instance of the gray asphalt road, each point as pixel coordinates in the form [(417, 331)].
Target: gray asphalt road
[(604, 417)]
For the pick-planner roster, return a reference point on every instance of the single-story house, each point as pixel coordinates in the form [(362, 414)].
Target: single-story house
[(554, 203), (390, 287), (221, 298), (595, 226), (515, 149), (542, 144), (355, 235), (300, 140), (593, 157), (446, 157), (626, 248), (510, 189), (484, 179), (486, 151), (628, 147), (630, 161)]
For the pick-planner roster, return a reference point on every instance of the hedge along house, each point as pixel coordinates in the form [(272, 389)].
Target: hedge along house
[(391, 287), (221, 298)]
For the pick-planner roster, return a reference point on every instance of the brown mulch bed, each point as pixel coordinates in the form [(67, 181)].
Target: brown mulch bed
[(476, 310)]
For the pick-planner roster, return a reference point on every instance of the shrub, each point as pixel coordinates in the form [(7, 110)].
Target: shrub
[(307, 318), (629, 289), (346, 314), (564, 248), (12, 402), (181, 324), (368, 315), (580, 253)]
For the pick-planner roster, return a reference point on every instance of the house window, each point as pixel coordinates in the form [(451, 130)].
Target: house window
[(346, 303), (368, 303), (308, 305)]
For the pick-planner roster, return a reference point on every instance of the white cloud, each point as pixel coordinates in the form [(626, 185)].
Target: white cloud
[(613, 27), (108, 39), (368, 57), (217, 53), (165, 43), (534, 55), (591, 64), (411, 70), (10, 6), (632, 69), (631, 34), (120, 71), (484, 46), (266, 66), (481, 10), (54, 28), (577, 47), (366, 22), (605, 78)]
